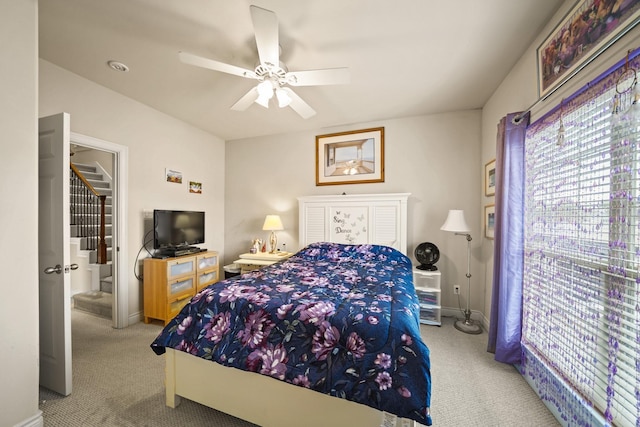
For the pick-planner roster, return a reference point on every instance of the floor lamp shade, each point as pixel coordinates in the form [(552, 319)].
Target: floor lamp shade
[(455, 223), (272, 223)]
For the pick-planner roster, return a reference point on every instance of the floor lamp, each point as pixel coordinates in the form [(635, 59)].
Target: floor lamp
[(456, 223)]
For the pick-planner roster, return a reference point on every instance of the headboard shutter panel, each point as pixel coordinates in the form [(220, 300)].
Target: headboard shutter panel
[(355, 219)]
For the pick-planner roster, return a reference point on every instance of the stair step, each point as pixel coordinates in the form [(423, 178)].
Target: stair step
[(84, 245), (99, 184), (75, 231), (106, 284), (92, 176), (85, 168), (96, 302)]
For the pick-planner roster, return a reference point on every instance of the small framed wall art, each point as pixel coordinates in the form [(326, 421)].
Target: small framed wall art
[(490, 178), (173, 176), (489, 221)]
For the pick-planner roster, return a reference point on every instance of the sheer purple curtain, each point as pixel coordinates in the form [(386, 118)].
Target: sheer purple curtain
[(505, 329)]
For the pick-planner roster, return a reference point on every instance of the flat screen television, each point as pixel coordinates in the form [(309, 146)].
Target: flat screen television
[(177, 229)]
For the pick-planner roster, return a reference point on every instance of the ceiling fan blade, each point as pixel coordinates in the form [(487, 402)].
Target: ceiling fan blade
[(265, 26), (246, 101), (330, 76), (299, 105), (199, 61)]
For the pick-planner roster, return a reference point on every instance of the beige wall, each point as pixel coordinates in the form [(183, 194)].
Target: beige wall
[(518, 91), (435, 158), (91, 157), (155, 141), (19, 310)]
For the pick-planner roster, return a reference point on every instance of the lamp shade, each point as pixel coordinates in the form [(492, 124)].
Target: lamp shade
[(455, 222), (283, 98), (272, 222)]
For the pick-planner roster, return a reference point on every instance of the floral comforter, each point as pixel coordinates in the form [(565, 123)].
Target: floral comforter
[(338, 319)]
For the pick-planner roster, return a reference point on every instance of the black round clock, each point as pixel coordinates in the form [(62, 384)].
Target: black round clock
[(427, 255)]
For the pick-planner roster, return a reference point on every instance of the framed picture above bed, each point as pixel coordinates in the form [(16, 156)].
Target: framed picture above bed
[(354, 157)]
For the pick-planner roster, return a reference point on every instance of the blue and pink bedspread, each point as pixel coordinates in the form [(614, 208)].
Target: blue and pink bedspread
[(338, 319)]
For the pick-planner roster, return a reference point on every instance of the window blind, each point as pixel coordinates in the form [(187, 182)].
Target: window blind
[(581, 311)]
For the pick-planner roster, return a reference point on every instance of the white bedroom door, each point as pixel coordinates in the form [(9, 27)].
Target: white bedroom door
[(53, 253)]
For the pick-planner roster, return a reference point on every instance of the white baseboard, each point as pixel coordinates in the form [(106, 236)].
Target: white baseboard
[(35, 421), (135, 317)]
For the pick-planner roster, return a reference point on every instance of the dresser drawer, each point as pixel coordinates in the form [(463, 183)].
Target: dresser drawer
[(426, 280), (428, 296), (206, 278), (207, 261), (429, 314), (174, 308), (181, 267), (182, 286)]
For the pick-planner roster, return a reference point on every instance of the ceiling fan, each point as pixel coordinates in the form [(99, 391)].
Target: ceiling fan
[(272, 75)]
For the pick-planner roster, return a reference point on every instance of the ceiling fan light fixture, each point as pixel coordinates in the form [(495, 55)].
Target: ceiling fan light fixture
[(263, 101), (265, 93), (265, 89), (283, 98), (271, 73)]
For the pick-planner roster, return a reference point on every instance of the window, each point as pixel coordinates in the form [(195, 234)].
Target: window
[(581, 305)]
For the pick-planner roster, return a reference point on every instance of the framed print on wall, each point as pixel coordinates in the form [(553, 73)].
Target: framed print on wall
[(589, 28), (489, 221), (354, 157), (490, 178), (173, 176)]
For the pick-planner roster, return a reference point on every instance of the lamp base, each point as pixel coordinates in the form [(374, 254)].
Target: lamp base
[(467, 325), (273, 242)]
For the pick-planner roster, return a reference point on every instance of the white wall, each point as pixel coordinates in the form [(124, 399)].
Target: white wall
[(19, 308), (435, 158), (155, 141), (518, 91)]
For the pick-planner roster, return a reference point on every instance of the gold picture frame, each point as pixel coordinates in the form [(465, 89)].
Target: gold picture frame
[(489, 221), (353, 157), (490, 178)]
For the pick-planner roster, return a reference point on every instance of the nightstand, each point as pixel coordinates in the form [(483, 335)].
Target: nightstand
[(249, 261), (427, 284)]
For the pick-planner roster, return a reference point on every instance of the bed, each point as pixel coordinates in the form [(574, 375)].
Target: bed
[(329, 336)]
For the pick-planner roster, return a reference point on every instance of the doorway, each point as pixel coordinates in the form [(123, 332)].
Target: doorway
[(113, 158)]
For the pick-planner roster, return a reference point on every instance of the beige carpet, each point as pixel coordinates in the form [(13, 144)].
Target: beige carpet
[(118, 381)]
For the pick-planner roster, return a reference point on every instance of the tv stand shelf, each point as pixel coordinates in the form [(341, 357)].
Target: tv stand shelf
[(170, 283)]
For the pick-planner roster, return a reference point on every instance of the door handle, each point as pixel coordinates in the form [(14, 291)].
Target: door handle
[(58, 269)]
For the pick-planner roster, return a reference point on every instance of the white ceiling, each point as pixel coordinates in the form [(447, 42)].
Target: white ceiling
[(406, 57)]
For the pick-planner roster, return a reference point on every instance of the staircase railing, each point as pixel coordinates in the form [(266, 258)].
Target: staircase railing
[(88, 213)]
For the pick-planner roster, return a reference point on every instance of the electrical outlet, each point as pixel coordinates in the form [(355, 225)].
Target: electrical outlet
[(456, 289)]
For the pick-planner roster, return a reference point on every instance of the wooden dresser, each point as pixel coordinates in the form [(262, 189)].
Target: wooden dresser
[(170, 283)]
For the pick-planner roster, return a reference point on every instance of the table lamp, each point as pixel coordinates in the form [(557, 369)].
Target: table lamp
[(272, 223)]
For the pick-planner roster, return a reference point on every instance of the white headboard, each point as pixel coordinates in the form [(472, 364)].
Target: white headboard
[(379, 219)]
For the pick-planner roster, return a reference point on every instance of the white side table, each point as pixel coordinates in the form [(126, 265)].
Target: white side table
[(249, 261)]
